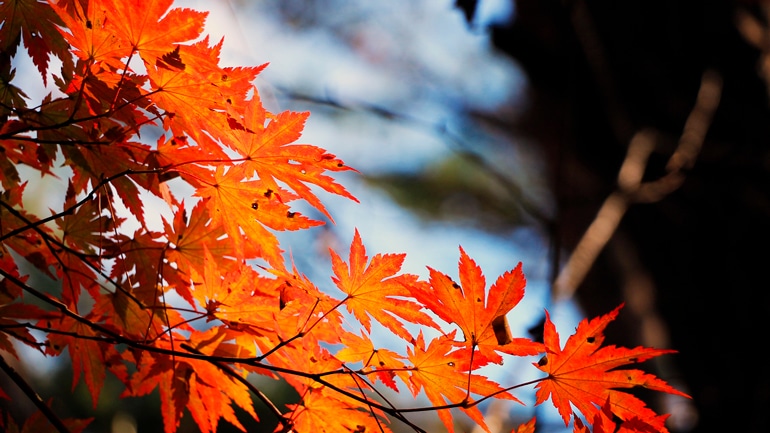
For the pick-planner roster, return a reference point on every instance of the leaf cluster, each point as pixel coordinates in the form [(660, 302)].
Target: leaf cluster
[(136, 66)]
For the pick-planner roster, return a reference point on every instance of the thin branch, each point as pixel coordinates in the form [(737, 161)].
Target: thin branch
[(71, 209), (71, 121), (35, 225), (26, 388), (232, 373), (632, 190), (111, 337)]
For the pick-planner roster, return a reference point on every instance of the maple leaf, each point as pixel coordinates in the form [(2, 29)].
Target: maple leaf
[(150, 27), (91, 164), (178, 156), (481, 318), (238, 297), (35, 22), (9, 291), (584, 374), (305, 309), (202, 387), (249, 205), (88, 34), (201, 60), (19, 152), (189, 237), (84, 227), (603, 422), (10, 314), (528, 427), (196, 92), (12, 98), (375, 290), (438, 369), (75, 274), (28, 244), (141, 254), (89, 356), (382, 361), (270, 154), (124, 315), (322, 412)]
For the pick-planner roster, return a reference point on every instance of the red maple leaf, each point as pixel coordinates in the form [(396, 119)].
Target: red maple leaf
[(36, 22), (585, 375), (90, 357), (439, 370), (481, 317)]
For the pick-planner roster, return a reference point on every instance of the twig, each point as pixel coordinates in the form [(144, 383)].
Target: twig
[(33, 396), (232, 373), (632, 190)]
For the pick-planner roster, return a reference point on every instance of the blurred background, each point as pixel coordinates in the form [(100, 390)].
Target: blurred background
[(618, 149)]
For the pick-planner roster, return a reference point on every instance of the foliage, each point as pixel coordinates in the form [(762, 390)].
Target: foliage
[(130, 66)]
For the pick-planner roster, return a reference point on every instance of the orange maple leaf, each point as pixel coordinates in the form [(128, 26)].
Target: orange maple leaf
[(90, 37), (438, 369), (238, 204), (305, 309), (376, 290), (205, 389), (584, 374), (481, 319), (150, 27), (239, 298), (265, 140), (528, 427), (382, 361), (188, 237), (196, 92), (322, 412)]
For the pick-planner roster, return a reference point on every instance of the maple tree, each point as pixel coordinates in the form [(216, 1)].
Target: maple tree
[(128, 66)]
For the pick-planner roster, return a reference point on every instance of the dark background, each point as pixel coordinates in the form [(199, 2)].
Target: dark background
[(600, 71)]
